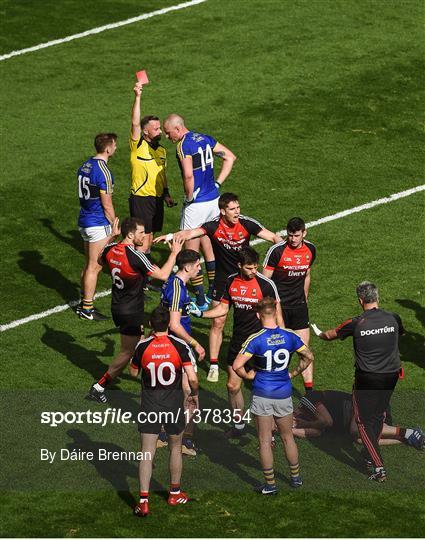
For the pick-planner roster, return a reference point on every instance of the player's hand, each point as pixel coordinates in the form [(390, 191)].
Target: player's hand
[(177, 245), (138, 89), (200, 351), (116, 229), (194, 310), (250, 375), (192, 403), (316, 329), (163, 238)]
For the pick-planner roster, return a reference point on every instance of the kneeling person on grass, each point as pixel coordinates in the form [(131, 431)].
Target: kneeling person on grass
[(129, 268), (271, 349), (162, 358)]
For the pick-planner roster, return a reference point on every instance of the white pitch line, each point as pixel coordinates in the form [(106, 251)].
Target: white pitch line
[(338, 215), (100, 29)]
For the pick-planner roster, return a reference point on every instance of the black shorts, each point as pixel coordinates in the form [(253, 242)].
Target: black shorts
[(150, 209), (218, 288), (296, 318), (153, 424), (129, 325), (235, 346)]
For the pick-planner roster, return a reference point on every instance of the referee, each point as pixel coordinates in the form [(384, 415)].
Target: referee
[(149, 189), (377, 365)]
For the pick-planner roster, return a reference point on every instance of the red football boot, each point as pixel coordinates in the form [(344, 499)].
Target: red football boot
[(141, 509), (177, 498)]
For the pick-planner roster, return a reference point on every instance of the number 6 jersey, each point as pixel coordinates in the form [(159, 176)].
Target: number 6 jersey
[(272, 349), (128, 269)]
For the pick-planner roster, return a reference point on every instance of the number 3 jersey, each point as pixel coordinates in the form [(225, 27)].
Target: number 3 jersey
[(94, 178), (200, 147), (271, 349), (161, 360), (128, 269)]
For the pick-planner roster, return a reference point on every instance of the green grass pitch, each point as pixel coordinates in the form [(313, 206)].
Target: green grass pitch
[(322, 103)]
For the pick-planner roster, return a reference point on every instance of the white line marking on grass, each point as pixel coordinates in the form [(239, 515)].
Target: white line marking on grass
[(100, 29), (320, 221)]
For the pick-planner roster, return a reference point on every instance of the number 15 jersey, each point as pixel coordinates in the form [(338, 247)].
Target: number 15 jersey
[(94, 178)]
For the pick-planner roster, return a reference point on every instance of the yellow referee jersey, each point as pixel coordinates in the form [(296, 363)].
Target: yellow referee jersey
[(147, 169)]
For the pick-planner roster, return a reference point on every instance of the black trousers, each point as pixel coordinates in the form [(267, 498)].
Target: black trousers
[(371, 396)]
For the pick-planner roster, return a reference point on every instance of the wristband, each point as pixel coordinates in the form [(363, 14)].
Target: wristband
[(217, 184), (169, 237), (193, 342)]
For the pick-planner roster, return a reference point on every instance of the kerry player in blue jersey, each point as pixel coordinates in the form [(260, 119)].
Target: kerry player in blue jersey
[(271, 349), (175, 297), (195, 155), (97, 215)]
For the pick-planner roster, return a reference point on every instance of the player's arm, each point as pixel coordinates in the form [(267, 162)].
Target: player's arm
[(107, 205), (188, 234), (267, 272), (192, 379), (239, 366), (167, 197), (340, 332), (177, 329), (307, 283), (306, 358), (188, 178), (220, 310), (269, 236), (136, 130), (164, 272), (322, 419), (116, 231), (279, 315), (228, 158), (135, 363)]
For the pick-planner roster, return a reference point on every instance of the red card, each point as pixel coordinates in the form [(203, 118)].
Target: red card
[(142, 77)]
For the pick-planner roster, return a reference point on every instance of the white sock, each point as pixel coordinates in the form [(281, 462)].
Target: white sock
[(98, 387)]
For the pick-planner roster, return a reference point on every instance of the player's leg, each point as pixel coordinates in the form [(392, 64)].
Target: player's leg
[(215, 341), (130, 336), (297, 319), (188, 447), (284, 424), (92, 268), (176, 496), (264, 425), (209, 257), (148, 448), (236, 401)]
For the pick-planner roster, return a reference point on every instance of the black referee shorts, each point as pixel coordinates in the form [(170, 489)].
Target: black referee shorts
[(150, 209), (296, 317)]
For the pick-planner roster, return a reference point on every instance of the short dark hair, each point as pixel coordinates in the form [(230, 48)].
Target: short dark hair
[(266, 306), (247, 255), (130, 224), (226, 199), (146, 119), (368, 292), (160, 319), (102, 140), (295, 224), (186, 256)]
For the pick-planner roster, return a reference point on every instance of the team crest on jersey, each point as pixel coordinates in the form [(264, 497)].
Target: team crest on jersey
[(240, 234), (307, 257), (254, 292)]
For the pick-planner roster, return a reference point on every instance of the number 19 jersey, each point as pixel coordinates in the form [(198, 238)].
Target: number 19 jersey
[(94, 178), (200, 147), (272, 349)]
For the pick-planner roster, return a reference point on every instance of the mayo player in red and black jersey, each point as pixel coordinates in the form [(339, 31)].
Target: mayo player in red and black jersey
[(129, 267), (229, 233), (243, 291), (288, 264), (161, 359)]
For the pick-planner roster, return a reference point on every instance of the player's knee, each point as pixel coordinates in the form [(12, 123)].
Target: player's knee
[(218, 324), (233, 387)]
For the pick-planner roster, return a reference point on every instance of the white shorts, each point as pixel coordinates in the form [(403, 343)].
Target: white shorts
[(95, 234), (261, 406), (196, 214)]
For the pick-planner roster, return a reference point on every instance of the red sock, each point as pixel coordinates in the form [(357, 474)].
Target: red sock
[(105, 380), (308, 386), (213, 361), (144, 496)]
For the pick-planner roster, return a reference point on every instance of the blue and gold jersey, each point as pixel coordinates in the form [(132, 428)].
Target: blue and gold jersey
[(200, 147), (93, 177), (271, 349), (175, 297)]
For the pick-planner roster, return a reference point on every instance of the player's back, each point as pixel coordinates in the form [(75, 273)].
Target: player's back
[(93, 178), (272, 349), (200, 147)]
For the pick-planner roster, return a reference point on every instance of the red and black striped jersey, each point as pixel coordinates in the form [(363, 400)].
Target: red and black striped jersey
[(227, 240), (243, 295), (289, 268), (161, 360), (128, 269)]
